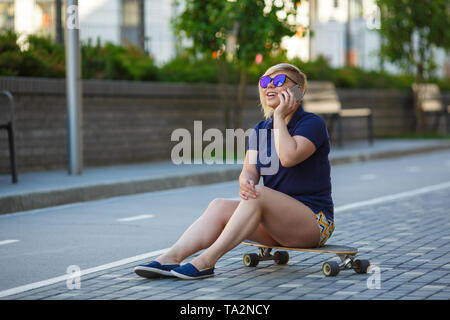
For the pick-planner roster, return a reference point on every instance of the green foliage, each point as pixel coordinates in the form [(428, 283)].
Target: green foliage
[(43, 58), (115, 62), (10, 55), (411, 30), (184, 68), (255, 25)]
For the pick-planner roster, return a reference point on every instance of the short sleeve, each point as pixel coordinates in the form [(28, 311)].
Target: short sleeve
[(313, 128), (253, 137)]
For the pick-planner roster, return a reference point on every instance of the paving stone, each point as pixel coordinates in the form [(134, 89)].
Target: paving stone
[(413, 259)]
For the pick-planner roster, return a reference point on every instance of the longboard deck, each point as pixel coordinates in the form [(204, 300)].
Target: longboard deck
[(338, 249)]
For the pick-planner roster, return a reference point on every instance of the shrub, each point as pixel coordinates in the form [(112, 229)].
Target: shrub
[(116, 62), (41, 57), (184, 68)]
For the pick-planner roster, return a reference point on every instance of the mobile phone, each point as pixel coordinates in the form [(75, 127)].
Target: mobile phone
[(297, 93)]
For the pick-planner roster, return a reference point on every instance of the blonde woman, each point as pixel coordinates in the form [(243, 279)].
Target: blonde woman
[(293, 208)]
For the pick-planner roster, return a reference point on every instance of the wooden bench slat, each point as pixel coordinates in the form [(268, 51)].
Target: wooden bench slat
[(357, 112), (431, 105)]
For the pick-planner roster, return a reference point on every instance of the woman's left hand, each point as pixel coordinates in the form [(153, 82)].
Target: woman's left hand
[(287, 105)]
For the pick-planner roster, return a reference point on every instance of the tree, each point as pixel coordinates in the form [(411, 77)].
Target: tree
[(235, 31), (411, 31)]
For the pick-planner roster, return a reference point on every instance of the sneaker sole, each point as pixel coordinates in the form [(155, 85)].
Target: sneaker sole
[(150, 273), (185, 277)]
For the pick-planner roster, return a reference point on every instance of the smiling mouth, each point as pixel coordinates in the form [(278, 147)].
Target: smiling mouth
[(271, 94)]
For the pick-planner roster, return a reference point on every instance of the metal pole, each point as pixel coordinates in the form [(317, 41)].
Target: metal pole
[(348, 36), (312, 23), (142, 24), (73, 88), (59, 23)]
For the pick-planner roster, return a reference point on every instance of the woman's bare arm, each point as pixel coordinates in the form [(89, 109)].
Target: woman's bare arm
[(249, 176)]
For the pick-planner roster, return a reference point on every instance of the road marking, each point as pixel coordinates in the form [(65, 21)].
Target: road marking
[(393, 197), (143, 216), (350, 206), (65, 277), (413, 169), (8, 241), (369, 176)]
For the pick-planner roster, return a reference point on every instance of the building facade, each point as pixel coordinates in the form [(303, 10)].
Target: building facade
[(344, 31)]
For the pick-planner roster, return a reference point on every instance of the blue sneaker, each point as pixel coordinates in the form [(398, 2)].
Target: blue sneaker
[(154, 270), (189, 272)]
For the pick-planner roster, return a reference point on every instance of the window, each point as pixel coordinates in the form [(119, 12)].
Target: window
[(45, 10), (6, 15), (130, 22)]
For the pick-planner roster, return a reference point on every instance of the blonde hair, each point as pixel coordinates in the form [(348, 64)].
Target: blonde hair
[(293, 72)]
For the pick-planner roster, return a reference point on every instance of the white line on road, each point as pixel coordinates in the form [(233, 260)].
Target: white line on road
[(65, 277), (359, 204), (143, 216), (393, 197), (369, 176), (8, 241), (413, 169)]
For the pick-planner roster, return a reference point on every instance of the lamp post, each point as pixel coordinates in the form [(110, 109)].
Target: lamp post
[(73, 90)]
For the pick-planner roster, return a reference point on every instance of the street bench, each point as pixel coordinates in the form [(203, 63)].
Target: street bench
[(429, 98), (8, 125), (321, 98)]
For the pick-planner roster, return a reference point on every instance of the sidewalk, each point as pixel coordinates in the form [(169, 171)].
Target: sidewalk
[(51, 188), (409, 258)]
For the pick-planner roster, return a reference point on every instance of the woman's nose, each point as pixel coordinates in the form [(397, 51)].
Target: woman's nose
[(271, 85)]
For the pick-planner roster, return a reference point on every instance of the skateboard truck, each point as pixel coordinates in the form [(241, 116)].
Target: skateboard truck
[(348, 261), (329, 268), (252, 259)]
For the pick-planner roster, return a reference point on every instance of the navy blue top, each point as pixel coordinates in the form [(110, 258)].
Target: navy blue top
[(308, 181)]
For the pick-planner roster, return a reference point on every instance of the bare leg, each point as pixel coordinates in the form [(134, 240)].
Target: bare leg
[(205, 231), (202, 233), (287, 220)]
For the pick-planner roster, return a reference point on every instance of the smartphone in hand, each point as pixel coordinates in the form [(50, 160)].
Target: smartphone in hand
[(297, 92)]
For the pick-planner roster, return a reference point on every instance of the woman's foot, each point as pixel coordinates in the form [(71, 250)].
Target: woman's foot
[(167, 258), (155, 269), (201, 264), (161, 266), (190, 272)]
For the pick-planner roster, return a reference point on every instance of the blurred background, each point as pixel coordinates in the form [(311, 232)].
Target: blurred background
[(149, 67)]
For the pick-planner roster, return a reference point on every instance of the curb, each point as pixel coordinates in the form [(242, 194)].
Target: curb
[(55, 197)]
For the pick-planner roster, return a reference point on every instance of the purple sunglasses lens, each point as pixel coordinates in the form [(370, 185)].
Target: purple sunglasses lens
[(264, 81), (279, 80)]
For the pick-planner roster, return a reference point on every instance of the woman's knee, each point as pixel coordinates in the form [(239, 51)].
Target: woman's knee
[(222, 208), (219, 203)]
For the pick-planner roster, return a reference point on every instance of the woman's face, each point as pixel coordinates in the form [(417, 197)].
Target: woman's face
[(271, 92)]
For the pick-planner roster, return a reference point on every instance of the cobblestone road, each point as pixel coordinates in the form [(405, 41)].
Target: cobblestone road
[(407, 239)]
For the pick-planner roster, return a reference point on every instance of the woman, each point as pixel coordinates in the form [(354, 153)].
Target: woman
[(294, 208)]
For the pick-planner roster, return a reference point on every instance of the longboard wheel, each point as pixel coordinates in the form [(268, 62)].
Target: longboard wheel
[(330, 268), (251, 259), (361, 266), (281, 257)]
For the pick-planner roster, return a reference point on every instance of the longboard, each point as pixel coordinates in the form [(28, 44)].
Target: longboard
[(329, 268)]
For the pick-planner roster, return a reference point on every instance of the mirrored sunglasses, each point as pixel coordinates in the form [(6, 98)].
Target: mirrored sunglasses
[(278, 80)]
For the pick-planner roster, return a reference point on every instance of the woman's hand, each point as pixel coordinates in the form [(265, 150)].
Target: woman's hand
[(287, 105), (247, 189)]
